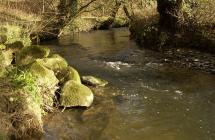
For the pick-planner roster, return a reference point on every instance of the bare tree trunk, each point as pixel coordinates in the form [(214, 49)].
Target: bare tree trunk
[(128, 13), (169, 14), (55, 22), (107, 24), (72, 6)]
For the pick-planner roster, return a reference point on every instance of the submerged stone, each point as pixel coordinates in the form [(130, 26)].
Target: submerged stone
[(31, 53), (93, 81), (75, 94)]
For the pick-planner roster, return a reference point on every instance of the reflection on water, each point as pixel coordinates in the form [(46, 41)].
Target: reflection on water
[(146, 100)]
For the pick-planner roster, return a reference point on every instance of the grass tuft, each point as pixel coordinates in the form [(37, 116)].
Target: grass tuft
[(24, 80)]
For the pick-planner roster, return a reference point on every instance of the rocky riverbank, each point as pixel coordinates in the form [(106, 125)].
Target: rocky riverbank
[(187, 49), (34, 82)]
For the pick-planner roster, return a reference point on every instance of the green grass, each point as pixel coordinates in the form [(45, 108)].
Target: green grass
[(23, 80)]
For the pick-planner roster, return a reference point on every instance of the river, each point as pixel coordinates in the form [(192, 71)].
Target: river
[(145, 99)]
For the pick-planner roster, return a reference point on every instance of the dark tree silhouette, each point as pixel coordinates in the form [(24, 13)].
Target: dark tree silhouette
[(169, 11)]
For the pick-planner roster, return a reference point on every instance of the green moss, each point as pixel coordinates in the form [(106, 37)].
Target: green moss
[(73, 75), (68, 74), (3, 72), (18, 101), (16, 33), (93, 81), (3, 39), (3, 136), (45, 76), (2, 47), (75, 94), (55, 63), (31, 53), (26, 81), (15, 46), (120, 22), (6, 58)]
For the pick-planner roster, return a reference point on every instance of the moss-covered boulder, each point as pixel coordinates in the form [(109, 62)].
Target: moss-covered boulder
[(93, 81), (73, 75), (6, 58), (55, 63), (47, 82), (3, 72), (15, 46), (75, 94), (29, 54), (3, 39), (67, 74), (2, 47), (45, 76)]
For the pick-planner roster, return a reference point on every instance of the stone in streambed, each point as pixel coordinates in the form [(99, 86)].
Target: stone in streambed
[(73, 75), (67, 74), (75, 94), (93, 81)]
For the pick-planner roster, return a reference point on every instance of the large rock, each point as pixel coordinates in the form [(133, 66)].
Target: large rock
[(47, 82), (55, 63), (3, 39), (15, 46), (31, 53), (3, 72), (69, 74), (75, 94), (6, 58), (73, 75), (2, 47), (45, 76), (93, 81)]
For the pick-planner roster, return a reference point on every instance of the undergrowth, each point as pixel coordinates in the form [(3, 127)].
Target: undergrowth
[(24, 80)]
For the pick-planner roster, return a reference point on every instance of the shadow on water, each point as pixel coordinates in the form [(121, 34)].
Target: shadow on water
[(146, 100)]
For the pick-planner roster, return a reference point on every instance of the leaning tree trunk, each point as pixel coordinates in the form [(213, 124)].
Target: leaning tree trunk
[(169, 14), (53, 23), (107, 24)]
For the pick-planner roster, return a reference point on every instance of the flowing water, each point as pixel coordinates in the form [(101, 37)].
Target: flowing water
[(145, 100)]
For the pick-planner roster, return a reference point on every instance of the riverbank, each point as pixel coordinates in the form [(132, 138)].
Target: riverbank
[(35, 82), (184, 51), (144, 100), (189, 43)]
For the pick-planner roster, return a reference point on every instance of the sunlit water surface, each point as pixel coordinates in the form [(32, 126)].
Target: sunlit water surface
[(145, 99)]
